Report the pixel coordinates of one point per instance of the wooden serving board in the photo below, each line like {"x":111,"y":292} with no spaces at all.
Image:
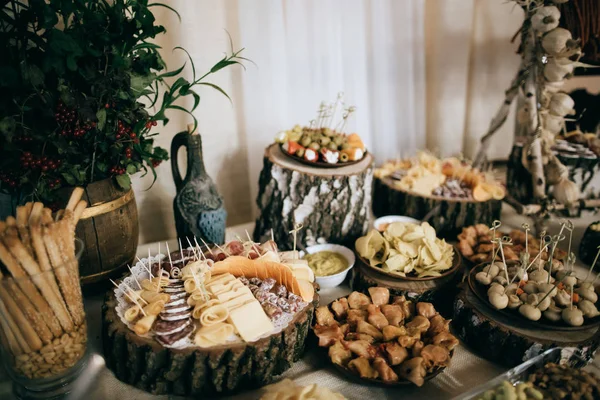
{"x":320,"y":164}
{"x":333,"y":205}
{"x":198,"y":372}
{"x":449,"y":216}
{"x":508,"y":341}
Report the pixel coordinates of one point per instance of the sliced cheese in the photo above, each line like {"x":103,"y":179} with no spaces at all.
{"x":225,"y":287}
{"x":250,"y":321}
{"x":220,"y":279}
{"x":239,"y":301}
{"x":292,"y":263}
{"x":286,"y":256}
{"x":233,"y":293}
{"x":307,"y":290}
{"x":303,"y":272}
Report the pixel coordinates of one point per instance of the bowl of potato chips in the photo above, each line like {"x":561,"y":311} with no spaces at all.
{"x":409,"y":251}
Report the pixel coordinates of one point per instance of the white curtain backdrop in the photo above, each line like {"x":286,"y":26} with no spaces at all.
{"x":421,"y":73}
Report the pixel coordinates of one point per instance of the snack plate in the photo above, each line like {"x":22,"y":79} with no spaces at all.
{"x":348,"y":373}
{"x":481,"y":292}
{"x":456,"y":263}
{"x":321,"y":164}
{"x":522,"y":371}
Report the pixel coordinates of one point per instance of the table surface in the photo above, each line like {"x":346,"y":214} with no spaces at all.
{"x":467,"y":370}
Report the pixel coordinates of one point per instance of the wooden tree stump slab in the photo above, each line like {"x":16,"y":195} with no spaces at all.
{"x":507,"y":341}
{"x":582,"y":171}
{"x":439,"y":291}
{"x":332,"y":204}
{"x":147,"y":365}
{"x":448,"y":216}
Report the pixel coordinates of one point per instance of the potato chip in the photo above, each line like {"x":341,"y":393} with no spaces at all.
{"x":397,"y":263}
{"x":433,"y":248}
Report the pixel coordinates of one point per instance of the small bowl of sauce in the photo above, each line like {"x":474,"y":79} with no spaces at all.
{"x":330,"y":263}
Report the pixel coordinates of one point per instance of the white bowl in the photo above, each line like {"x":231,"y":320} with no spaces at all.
{"x":335,"y":279}
{"x":388,"y":219}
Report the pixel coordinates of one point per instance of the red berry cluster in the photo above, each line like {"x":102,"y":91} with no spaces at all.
{"x":124,"y":131}
{"x":63,"y":114}
{"x":66,"y":117}
{"x":117,"y":170}
{"x":9,"y":178}
{"x":43,"y":163}
{"x":128,"y":152}
{"x":52,"y":183}
{"x":150,"y":124}
{"x":23,"y":139}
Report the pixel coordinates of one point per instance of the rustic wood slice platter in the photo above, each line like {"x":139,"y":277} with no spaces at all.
{"x":456,"y":263}
{"x":333,"y":205}
{"x":145,"y":364}
{"x":481,"y":292}
{"x":320,"y":164}
{"x":449,"y":216}
{"x":509,"y":342}
{"x":439,"y":291}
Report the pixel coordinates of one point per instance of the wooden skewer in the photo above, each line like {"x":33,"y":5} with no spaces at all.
{"x":147,"y":268}
{"x":133,"y":292}
{"x":133,"y":276}
{"x":193,"y":249}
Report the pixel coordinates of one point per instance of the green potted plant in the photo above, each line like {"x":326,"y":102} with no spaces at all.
{"x":82,"y":86}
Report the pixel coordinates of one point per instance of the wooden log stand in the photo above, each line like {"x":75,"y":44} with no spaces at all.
{"x":447,"y":216}
{"x":147,"y":365}
{"x":332,"y":204}
{"x":506,"y":341}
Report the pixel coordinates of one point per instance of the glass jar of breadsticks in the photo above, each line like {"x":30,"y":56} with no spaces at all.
{"x":43,"y":331}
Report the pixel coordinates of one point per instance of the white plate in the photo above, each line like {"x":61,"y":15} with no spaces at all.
{"x":336,"y":279}
{"x":388,"y":219}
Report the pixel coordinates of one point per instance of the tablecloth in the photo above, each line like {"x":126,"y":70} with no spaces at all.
{"x":466,"y":371}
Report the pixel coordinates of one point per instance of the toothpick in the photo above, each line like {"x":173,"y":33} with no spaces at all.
{"x":570,"y":228}
{"x":495,"y":225}
{"x":206,"y":245}
{"x":133,"y":276}
{"x":133,"y":291}
{"x":338,"y":100}
{"x":556,"y":283}
{"x":593,"y":264}
{"x":132,"y":298}
{"x":555,"y":240}
{"x":180,"y":248}
{"x":222,"y":249}
{"x":169,"y":253}
{"x":252,"y":241}
{"x":501,"y":244}
{"x":572,"y":296}
{"x":192,"y":247}
{"x":294,"y":232}
{"x":200,"y":249}
{"x":147,"y":267}
{"x":159,"y":249}
{"x":272,"y":235}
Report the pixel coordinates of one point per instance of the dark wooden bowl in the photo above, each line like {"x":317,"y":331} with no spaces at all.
{"x":321,"y":164}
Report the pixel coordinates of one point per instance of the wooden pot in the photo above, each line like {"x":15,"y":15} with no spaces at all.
{"x":108,"y":229}
{"x":447,"y":216}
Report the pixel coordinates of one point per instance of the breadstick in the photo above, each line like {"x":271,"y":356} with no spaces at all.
{"x":74,"y":199}
{"x":11,"y":221}
{"x":52,"y":301}
{"x":36,"y":320}
{"x":9,"y":325}
{"x":47,"y":216}
{"x":59,"y":215}
{"x":81,"y":206}
{"x":8,"y":339}
{"x":40,"y":250}
{"x":31,"y":338}
{"x":22,"y":218}
{"x":64,"y":232}
{"x":62,"y":273}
